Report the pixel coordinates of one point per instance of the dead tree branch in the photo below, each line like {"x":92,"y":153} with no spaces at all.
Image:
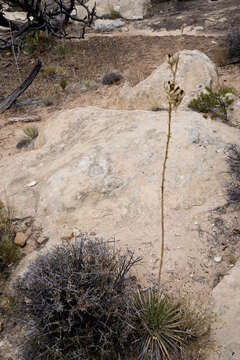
{"x":9,"y":100}
{"x":51,"y":16}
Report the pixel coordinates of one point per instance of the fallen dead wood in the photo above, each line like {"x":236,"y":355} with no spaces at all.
{"x":24,"y":119}
{"x":9,"y":100}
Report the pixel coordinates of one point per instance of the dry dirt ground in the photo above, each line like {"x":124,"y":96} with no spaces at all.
{"x":134,"y":52}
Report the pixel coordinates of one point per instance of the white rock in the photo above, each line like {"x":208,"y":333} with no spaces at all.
{"x":108,"y":25}
{"x":128,"y":9}
{"x":234,"y":113}
{"x":31,"y":184}
{"x":218,"y":259}
{"x":150,"y":92}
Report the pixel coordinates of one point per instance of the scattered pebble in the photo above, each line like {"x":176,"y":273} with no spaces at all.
{"x":32,"y":183}
{"x":42,"y":240}
{"x":20,"y":239}
{"x":68,"y":236}
{"x":218,"y":259}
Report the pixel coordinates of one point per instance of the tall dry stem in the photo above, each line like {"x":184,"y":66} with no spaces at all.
{"x":174,"y":96}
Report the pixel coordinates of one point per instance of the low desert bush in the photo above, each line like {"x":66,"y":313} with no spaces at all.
{"x":214,"y":103}
{"x":227,"y":50}
{"x":165,"y":329}
{"x":233,"y":43}
{"x":9,"y":252}
{"x":76,"y":302}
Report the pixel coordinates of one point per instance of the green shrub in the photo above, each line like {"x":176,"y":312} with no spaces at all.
{"x":63,"y":83}
{"x":31,"y":132}
{"x":164,"y":329}
{"x":61,"y":49}
{"x":9,"y":252}
{"x":31,"y":40}
{"x":51,"y":71}
{"x":214,"y":103}
{"x":76,"y":300}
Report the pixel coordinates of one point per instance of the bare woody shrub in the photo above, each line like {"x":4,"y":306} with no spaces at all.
{"x":75,"y":301}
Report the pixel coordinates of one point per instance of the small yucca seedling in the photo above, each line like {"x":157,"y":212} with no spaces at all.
{"x":63,"y":83}
{"x":31,"y":132}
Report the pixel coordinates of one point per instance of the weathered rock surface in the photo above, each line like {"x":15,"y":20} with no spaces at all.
{"x":128,"y":9}
{"x":234,"y":114}
{"x":226,"y":330}
{"x":195,"y":72}
{"x":100,"y":170}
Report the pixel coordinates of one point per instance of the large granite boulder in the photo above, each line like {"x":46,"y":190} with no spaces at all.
{"x":131,"y":9}
{"x":195,"y":72}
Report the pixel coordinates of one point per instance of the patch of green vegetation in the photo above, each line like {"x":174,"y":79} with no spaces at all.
{"x":214,"y":103}
{"x":50,"y":70}
{"x":63,"y":83}
{"x":31,"y":41}
{"x":9,"y":252}
{"x":61,"y":50}
{"x":31,"y":132}
{"x":114,"y":14}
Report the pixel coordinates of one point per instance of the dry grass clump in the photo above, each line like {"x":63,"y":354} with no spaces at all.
{"x":76,"y":300}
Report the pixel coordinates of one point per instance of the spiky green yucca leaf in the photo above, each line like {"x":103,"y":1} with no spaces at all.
{"x":159,"y":327}
{"x":31,"y":131}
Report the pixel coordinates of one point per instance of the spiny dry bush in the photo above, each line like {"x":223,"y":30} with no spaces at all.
{"x":76,"y":302}
{"x":165,"y":329}
{"x":233,"y":190}
{"x":9,"y":252}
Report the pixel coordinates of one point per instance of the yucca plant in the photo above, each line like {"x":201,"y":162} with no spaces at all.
{"x":159,"y":326}
{"x":31,"y":132}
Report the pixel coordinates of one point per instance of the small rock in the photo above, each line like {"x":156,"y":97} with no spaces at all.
{"x":68,"y":236}
{"x":92,"y":233}
{"x":218,"y":259}
{"x":32,"y":183}
{"x":24,"y":142}
{"x":111,"y":78}
{"x":42,"y":240}
{"x":108,"y":25}
{"x":20,"y":239}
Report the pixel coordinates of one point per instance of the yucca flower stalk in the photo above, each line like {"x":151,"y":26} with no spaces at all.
{"x":174,"y":96}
